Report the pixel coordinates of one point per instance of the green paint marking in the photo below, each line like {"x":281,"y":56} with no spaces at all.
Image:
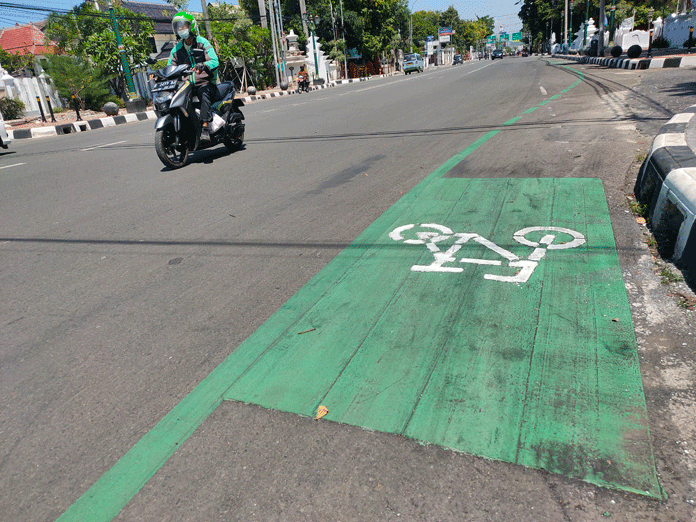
{"x":512,"y":120}
{"x":537,"y":373}
{"x":360,"y":332}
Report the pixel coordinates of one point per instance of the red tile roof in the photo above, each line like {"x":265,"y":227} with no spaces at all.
{"x":24,"y":39}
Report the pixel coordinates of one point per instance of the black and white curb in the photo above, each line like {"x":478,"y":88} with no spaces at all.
{"x":79,"y":126}
{"x":265,"y":96}
{"x":667,"y":184}
{"x":663,"y":62}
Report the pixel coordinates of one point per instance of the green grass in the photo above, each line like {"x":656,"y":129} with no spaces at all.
{"x":668,"y":276}
{"x":639,"y":209}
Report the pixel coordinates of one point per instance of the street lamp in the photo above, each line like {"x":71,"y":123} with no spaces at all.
{"x":314,"y":20}
{"x":122,"y":53}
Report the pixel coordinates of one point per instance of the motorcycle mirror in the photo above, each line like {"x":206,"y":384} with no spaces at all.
{"x":150,"y":61}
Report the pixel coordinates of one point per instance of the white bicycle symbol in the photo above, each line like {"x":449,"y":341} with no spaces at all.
{"x":439,"y":233}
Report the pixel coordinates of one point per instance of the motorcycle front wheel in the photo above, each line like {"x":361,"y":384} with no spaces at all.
{"x":170,"y":152}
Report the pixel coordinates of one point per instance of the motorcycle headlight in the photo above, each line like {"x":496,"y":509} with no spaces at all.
{"x":161,"y":100}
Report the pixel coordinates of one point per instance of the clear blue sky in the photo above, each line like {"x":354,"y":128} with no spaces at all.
{"x":504,"y":11}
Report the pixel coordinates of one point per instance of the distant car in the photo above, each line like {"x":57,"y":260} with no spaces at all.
{"x":498,"y":53}
{"x":457,"y":59}
{"x":5,"y":140}
{"x":413,"y":62}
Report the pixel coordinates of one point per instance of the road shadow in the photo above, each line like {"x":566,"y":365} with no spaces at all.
{"x":682,"y":89}
{"x":208,"y":156}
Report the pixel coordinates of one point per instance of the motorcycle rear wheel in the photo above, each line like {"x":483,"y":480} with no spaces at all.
{"x":233,"y":143}
{"x":172,"y":154}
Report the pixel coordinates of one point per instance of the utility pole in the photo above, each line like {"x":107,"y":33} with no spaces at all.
{"x":204,"y":8}
{"x":273,"y":41}
{"x":587,"y":18}
{"x":281,"y":33}
{"x":262,"y":13}
{"x":345,"y":50}
{"x":565,"y":25}
{"x":602,"y":16}
{"x":303,"y":9}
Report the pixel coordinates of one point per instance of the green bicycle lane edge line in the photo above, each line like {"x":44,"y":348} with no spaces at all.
{"x":117,"y":486}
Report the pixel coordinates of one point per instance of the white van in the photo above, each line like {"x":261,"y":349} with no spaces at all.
{"x":413,"y":62}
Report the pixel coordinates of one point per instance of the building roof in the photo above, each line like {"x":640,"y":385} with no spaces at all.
{"x":161,"y":14}
{"x":24,"y":39}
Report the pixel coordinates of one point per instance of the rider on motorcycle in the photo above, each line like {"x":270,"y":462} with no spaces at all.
{"x":302,"y":79}
{"x":205,"y":75}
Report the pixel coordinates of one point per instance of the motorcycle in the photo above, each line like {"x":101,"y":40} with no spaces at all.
{"x":178,"y":125}
{"x":302,"y":85}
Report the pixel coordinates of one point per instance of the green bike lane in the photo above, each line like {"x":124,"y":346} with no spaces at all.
{"x":488,"y":316}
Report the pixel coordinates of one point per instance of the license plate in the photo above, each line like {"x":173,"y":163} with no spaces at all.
{"x":163,"y":86}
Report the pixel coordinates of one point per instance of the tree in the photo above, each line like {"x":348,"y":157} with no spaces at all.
{"x":475,"y":30}
{"x":76,"y":76}
{"x":179,"y":4}
{"x":87,"y":33}
{"x":425,"y":23}
{"x":238,"y":37}
{"x":14,"y":62}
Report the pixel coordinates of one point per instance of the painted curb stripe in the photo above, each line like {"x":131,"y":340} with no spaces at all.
{"x":114,"y":489}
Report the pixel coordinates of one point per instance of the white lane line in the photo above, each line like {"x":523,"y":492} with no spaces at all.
{"x":543,"y":91}
{"x":15,"y":165}
{"x":105,"y":145}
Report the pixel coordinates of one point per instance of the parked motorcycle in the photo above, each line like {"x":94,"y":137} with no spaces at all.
{"x":178,"y":125}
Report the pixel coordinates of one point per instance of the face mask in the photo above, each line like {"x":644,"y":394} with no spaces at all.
{"x":184,"y":34}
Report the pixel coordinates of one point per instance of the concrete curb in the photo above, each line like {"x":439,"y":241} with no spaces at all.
{"x":249,"y":99}
{"x":666,"y":183}
{"x":79,"y":126}
{"x":662,"y":62}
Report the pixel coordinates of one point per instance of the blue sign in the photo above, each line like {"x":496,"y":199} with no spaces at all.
{"x":429,"y":38}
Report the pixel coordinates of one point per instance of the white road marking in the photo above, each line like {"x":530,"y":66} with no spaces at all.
{"x":439,"y":233}
{"x":14,"y":165}
{"x":105,"y":145}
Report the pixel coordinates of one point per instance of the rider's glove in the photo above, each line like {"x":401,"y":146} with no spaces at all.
{"x":200,"y":67}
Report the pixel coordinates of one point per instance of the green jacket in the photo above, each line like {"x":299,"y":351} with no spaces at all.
{"x":180,"y":55}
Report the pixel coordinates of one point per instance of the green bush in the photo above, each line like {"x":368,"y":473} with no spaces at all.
{"x":77,"y":76}
{"x":660,"y":43}
{"x":117,"y":100}
{"x":11,"y":109}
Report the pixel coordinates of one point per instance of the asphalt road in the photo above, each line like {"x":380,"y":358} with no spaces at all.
{"x":124,"y":285}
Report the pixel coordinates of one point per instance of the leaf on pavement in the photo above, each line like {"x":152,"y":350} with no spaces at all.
{"x":323,"y":410}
